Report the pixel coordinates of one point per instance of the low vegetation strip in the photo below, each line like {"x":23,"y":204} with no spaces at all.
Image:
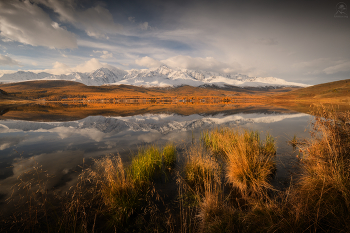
{"x":222,"y":185}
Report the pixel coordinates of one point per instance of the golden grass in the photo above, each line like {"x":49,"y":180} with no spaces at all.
{"x":249,"y":161}
{"x":116,"y":187}
{"x":201,"y":170}
{"x":324,"y":186}
{"x":222,"y":187}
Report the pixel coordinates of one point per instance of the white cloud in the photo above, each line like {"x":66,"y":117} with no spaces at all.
{"x":88,"y":66}
{"x":192,"y":63}
{"x":2,"y":72}
{"x":344,"y":66}
{"x":148,"y":62}
{"x":144,"y":26}
{"x":199,"y":63}
{"x":105,"y":54}
{"x":187,"y":62}
{"x":29,"y":24}
{"x":324,"y":66}
{"x":95,"y":21}
{"x":7,"y":61}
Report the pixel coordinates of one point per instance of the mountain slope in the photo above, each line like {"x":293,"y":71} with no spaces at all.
{"x":331,"y":90}
{"x":162,"y":76}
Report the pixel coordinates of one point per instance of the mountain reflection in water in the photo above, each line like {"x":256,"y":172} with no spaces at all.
{"x":60,"y":147}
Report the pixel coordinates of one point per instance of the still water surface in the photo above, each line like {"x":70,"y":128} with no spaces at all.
{"x":61,"y":147}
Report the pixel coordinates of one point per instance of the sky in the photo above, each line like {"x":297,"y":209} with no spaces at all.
{"x":299,"y":41}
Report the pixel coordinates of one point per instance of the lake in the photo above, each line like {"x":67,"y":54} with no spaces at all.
{"x":61,"y":147}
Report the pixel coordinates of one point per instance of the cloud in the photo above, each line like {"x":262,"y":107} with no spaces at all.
{"x":192,"y":63}
{"x":2,"y":72}
{"x":148,"y":62}
{"x":7,"y":61}
{"x":324,"y":66}
{"x":105,"y":54}
{"x":199,"y":63}
{"x":344,"y":66}
{"x":131,"y":19}
{"x":144,"y":26}
{"x":29,"y":24}
{"x":88,"y":66}
{"x":95,"y":21}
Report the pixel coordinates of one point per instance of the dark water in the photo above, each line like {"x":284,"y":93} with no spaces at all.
{"x":59,"y":148}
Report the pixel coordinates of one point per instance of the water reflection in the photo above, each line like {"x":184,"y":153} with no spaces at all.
{"x":60,"y":147}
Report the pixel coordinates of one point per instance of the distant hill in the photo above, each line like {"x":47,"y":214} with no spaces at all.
{"x":333,"y":94}
{"x":332,"y":90}
{"x":59,"y":90}
{"x":162,"y":76}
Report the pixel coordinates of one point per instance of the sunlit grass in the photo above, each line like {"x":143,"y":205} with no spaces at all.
{"x":169,"y":156}
{"x":146,"y":164}
{"x":201,"y":168}
{"x":324,"y":187}
{"x":249,"y":161}
{"x":223,"y":185}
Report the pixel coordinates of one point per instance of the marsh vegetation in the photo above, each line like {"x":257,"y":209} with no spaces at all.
{"x":220,"y":183}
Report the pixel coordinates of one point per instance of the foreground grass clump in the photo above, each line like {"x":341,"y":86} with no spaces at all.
{"x":201,"y":169}
{"x":320,"y":199}
{"x":146,"y":164}
{"x":249,"y":161}
{"x":169,"y":156}
{"x":150,"y":163}
{"x":126,"y":190}
{"x":117,"y":188}
{"x":324,"y":188}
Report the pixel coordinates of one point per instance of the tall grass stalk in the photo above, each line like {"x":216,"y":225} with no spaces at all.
{"x":324,"y":187}
{"x":201,"y":170}
{"x":250,"y":161}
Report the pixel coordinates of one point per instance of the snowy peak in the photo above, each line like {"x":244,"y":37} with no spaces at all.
{"x":162,"y":76}
{"x":104,"y":76}
{"x":23,"y":76}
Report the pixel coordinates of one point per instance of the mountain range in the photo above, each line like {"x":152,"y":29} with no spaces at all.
{"x":162,"y":76}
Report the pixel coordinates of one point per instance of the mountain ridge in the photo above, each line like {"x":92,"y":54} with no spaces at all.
{"x":162,"y":76}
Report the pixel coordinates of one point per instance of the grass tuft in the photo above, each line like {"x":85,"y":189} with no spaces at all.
{"x":201,"y":168}
{"x":250,"y":162}
{"x":169,"y":156}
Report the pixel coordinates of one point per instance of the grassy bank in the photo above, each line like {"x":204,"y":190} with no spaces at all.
{"x":219,"y":184}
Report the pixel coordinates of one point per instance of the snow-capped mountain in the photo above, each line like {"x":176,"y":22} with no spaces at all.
{"x":162,"y":76}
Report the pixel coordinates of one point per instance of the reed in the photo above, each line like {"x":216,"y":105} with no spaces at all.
{"x":117,"y":188}
{"x":324,"y":187}
{"x":169,"y":156}
{"x":146,"y":164}
{"x":223,"y":186}
{"x":249,"y":161}
{"x":201,"y":169}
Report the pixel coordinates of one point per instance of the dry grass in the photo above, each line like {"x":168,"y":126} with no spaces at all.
{"x":249,"y":161}
{"x":324,"y":186}
{"x":201,"y":168}
{"x":116,"y":187}
{"x":200,"y":189}
{"x":222,"y":187}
